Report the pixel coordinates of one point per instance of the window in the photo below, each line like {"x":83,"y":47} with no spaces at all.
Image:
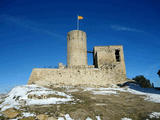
{"x":117,"y":55}
{"x":68,"y":37}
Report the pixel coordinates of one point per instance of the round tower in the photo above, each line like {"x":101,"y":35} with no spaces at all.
{"x":76,"y":48}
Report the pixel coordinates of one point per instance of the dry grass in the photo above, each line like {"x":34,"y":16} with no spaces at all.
{"x":108,"y":107}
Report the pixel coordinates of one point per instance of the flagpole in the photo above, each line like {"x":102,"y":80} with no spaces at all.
{"x":77,"y":23}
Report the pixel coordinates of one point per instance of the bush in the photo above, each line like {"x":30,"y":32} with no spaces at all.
{"x":158,"y":73}
{"x":142,"y":81}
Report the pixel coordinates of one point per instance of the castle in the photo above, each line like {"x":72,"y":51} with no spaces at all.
{"x":108,"y":65}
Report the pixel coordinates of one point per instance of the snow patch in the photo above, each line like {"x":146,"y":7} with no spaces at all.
{"x":126,"y":118}
{"x":98,"y":118}
{"x":88,"y":118}
{"x":18,"y":96}
{"x":104,"y":92}
{"x":68,"y":117}
{"x":27,"y":114}
{"x":60,"y":118}
{"x":150,"y":94}
{"x":154,"y":115}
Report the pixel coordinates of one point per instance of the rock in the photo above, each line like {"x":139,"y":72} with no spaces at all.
{"x":42,"y":117}
{"x":45,"y":117}
{"x":11,"y":113}
{"x":61,"y":114}
{"x":81,"y":114}
{"x":28,"y":118}
{"x":52,"y":118}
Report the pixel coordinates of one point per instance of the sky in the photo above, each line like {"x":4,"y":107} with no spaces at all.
{"x":33,"y":34}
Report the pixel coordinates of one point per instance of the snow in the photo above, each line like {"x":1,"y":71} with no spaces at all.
{"x":98,"y":118}
{"x":88,"y":118}
{"x":154,"y":115}
{"x":60,"y":118}
{"x":47,"y":101}
{"x":150,"y":94}
{"x":27,"y":114}
{"x":105,"y":89}
{"x":18,"y":96}
{"x":68,"y":117}
{"x":126,"y":118}
{"x":104,"y":92}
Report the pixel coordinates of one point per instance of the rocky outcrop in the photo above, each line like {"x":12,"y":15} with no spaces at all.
{"x":11,"y":113}
{"x":45,"y":117}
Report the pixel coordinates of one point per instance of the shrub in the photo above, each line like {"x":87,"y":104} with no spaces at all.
{"x":158,"y":73}
{"x":142,"y":81}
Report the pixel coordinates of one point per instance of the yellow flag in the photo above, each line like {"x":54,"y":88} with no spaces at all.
{"x":80,"y":17}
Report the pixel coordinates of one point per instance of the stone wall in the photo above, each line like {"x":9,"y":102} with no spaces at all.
{"x":81,"y":76}
{"x":104,"y":56}
{"x":108,"y":67}
{"x":106,"y":70}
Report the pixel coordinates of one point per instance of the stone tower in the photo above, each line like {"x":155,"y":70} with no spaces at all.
{"x":76,"y":48}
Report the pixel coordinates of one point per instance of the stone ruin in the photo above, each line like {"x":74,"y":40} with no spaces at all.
{"x":108,"y":65}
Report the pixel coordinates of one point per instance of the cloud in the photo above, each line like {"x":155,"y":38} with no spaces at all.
{"x":123,"y":28}
{"x":28,"y":25}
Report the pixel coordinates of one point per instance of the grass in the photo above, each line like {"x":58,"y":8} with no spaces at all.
{"x":28,"y":118}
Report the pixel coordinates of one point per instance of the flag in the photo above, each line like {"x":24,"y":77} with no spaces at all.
{"x":80,"y":17}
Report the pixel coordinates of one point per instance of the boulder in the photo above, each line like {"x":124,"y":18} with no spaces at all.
{"x":11,"y":113}
{"x":52,"y":118}
{"x":42,"y":117}
{"x":28,"y":118}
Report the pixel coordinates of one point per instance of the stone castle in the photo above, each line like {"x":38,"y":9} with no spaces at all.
{"x":108,"y":65}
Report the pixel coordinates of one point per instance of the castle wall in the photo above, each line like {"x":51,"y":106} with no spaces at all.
{"x":108,"y":68}
{"x":82,"y":76}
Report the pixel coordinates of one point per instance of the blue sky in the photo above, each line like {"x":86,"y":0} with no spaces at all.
{"x":33,"y":34}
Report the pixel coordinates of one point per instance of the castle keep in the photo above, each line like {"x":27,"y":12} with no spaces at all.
{"x":108,"y":65}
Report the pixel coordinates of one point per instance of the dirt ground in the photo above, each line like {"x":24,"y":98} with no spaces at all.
{"x":108,"y":107}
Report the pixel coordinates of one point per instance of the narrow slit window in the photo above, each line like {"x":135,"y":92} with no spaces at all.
{"x":117,"y":55}
{"x":68,"y":37}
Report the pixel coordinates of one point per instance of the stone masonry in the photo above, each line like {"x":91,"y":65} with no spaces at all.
{"x":108,"y":65}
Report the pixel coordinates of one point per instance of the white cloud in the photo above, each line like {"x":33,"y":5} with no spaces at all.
{"x":123,"y":28}
{"x":28,"y":24}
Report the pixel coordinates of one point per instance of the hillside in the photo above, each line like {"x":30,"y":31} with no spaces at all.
{"x":31,"y":102}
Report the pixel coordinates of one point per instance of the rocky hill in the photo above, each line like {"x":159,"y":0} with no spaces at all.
{"x":32,"y":102}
